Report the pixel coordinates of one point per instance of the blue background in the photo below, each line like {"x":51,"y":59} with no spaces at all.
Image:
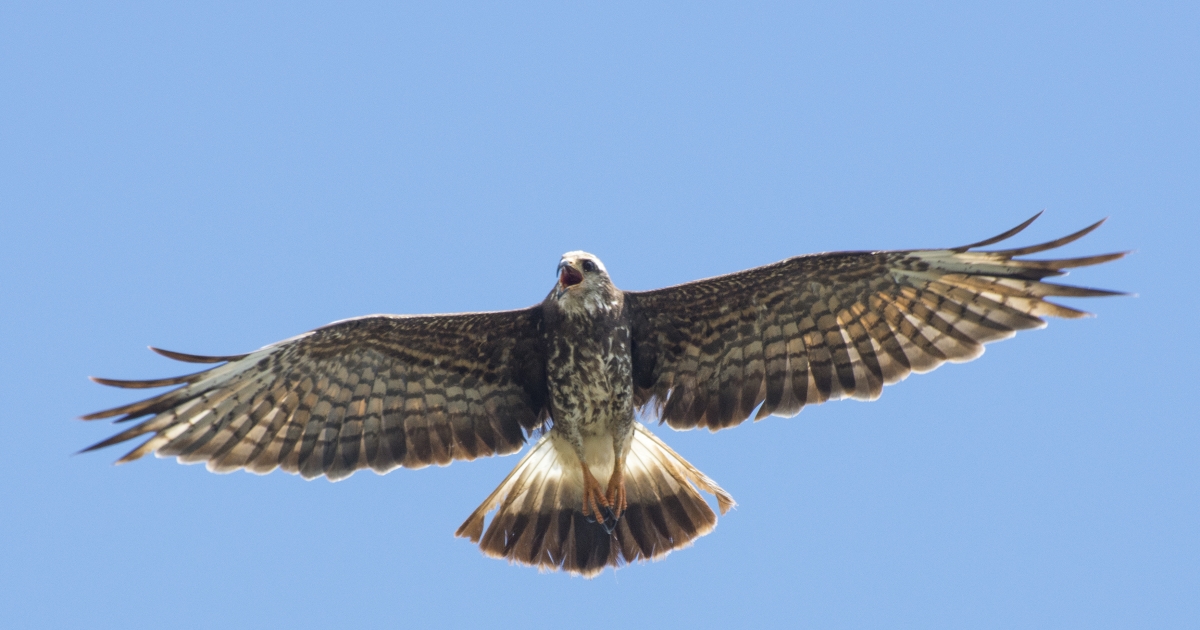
{"x":212,"y":177}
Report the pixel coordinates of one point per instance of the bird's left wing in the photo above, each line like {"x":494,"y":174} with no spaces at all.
{"x":826,"y":326}
{"x":378,"y":392}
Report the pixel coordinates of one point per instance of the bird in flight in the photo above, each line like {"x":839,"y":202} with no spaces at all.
{"x":597,"y":489}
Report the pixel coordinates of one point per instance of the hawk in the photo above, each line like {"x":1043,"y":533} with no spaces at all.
{"x":597,"y":489}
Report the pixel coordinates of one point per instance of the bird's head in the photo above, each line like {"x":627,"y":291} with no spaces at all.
{"x":582,"y":282}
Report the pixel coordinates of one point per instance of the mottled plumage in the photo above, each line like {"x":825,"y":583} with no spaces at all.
{"x":377,"y":392}
{"x":597,"y":489}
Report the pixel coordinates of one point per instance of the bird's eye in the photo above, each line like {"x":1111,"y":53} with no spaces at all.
{"x":589,"y":265}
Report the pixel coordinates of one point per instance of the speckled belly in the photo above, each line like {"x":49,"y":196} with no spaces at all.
{"x":591,"y":387}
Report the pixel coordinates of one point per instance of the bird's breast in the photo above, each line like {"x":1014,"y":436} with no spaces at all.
{"x":590,"y":379}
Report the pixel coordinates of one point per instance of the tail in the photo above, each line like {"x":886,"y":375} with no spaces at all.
{"x":539,"y":522}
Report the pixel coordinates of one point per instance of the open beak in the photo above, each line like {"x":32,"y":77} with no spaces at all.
{"x":568,"y":277}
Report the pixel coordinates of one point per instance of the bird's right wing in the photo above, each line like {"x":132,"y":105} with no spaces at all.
{"x":826,"y":326}
{"x":378,"y":392}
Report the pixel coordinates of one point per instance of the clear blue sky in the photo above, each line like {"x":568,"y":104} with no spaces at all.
{"x":211,"y":177}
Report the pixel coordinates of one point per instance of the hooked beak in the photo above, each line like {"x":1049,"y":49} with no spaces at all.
{"x":568,"y":277}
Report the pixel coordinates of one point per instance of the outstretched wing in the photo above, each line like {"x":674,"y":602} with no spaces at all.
{"x":379,"y":392}
{"x":829,"y":326}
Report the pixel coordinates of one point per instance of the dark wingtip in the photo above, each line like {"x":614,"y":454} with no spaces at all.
{"x":1000,"y":237}
{"x":99,"y":415}
{"x":194,"y":358}
{"x":149,"y":383}
{"x":98,"y":445}
{"x":1058,"y":242}
{"x":1086,"y":261}
{"x":1065,"y":290}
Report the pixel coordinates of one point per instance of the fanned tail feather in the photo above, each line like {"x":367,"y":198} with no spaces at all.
{"x":539,"y":522}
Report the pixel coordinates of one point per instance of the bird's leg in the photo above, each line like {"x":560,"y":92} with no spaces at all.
{"x":616,"y":489}
{"x":595,"y":506}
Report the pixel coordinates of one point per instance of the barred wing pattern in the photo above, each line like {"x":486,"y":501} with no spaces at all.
{"x":379,"y":392}
{"x":827,"y":326}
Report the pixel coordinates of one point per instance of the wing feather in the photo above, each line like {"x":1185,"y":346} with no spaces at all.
{"x":830,"y":326}
{"x":375,"y":392}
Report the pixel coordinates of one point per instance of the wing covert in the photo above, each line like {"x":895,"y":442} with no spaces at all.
{"x":379,"y":392}
{"x":773,"y":339}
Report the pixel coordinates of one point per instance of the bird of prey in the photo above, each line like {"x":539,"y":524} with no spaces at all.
{"x":597,"y":489}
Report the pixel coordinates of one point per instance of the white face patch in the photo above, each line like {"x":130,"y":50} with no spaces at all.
{"x":577,"y":257}
{"x":591,"y":295}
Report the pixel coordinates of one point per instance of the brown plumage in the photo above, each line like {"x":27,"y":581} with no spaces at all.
{"x":597,"y":489}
